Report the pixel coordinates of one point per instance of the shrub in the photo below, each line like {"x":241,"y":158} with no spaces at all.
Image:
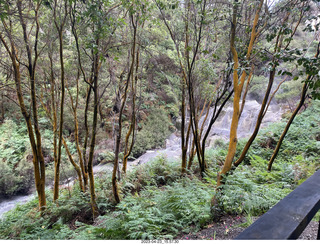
{"x":153,"y":133}
{"x":13,"y":142}
{"x":9,"y":183}
{"x":16,"y":172}
{"x":159,"y":213}
{"x":242,"y":194}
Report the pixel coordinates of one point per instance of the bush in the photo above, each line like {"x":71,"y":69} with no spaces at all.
{"x":253,"y":190}
{"x":9,"y":184}
{"x":13,"y":142}
{"x":158,"y":172}
{"x":16,"y":172}
{"x":159,"y":213}
{"x":57,"y":222}
{"x":153,"y":133}
{"x":154,"y":213}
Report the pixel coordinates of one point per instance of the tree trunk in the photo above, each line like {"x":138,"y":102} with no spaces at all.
{"x":38,"y":165}
{"x":57,"y":165}
{"x":238,"y":85}
{"x":259,"y":119}
{"x":265,"y":105}
{"x":76,"y":167}
{"x":184,"y":139}
{"x":85,"y":144}
{"x":295,"y":112}
{"x":132,"y":128}
{"x":76,"y":135}
{"x":93,"y":141}
{"x":36,"y":145}
{"x":123,"y":103}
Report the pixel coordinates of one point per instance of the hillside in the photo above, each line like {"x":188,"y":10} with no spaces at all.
{"x":154,"y":119}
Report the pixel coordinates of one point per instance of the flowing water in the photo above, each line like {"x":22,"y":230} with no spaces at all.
{"x":172,"y":151}
{"x":10,"y":203}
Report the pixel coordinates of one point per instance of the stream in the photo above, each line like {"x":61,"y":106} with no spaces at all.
{"x":172,"y":151}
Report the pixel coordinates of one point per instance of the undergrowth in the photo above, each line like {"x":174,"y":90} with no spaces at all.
{"x":157,"y":203}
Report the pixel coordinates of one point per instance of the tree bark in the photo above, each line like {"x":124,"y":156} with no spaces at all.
{"x":38,"y":155}
{"x":93,"y":138}
{"x":295,"y":112}
{"x":33,"y":130}
{"x":123,"y":103}
{"x":286,"y":129}
{"x":58,"y":162}
{"x":238,"y":85}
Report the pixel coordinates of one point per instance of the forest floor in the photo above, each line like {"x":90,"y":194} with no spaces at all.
{"x":228,"y":228}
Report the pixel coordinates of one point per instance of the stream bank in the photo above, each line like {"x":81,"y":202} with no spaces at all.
{"x":172,"y":150}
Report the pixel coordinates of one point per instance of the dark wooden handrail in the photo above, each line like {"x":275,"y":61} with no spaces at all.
{"x":289,"y":217}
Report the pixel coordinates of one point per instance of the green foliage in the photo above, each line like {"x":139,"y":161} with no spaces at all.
{"x":16,"y":172}
{"x":253,"y":192}
{"x":26,"y":223}
{"x":13,"y":143}
{"x":157,"y":172}
{"x":160,"y":213}
{"x":154,"y":213}
{"x":158,"y":204}
{"x":16,"y":167}
{"x":251,"y":188}
{"x":302,"y":135}
{"x":153,"y":133}
{"x":17,"y":180}
{"x":290,"y":92}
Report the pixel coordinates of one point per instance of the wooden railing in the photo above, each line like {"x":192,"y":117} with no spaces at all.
{"x":288,"y":218}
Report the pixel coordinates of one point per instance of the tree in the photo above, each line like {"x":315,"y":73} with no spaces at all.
{"x":238,"y":82}
{"x":196,"y":20}
{"x":137,"y":15}
{"x":88,"y":18}
{"x":281,"y":44}
{"x":26,"y":55}
{"x":312,"y":73}
{"x":60,"y":28}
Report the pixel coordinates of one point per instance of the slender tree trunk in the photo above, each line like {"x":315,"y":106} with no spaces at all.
{"x":184,"y":139}
{"x":54,"y":112}
{"x":93,"y":137}
{"x":115,"y":189}
{"x":35,"y":142}
{"x":123,"y":103}
{"x":76,"y":167}
{"x":85,"y":145}
{"x":128,"y":149}
{"x":38,"y":170}
{"x":295,"y":112}
{"x":246,"y":91}
{"x":238,"y":85}
{"x":76,"y":135}
{"x":57,"y":165}
{"x":259,"y":119}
